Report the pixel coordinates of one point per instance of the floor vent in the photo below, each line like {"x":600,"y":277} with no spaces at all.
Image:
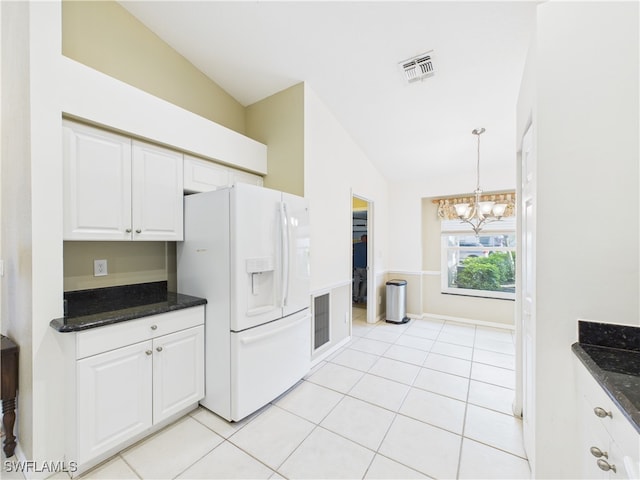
{"x":321,"y":317}
{"x":419,"y":67}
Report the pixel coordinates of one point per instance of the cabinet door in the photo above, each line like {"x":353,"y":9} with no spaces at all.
{"x":114,"y":398}
{"x":178,"y":371}
{"x":156,"y":193}
{"x":238,"y":176}
{"x":203,"y":176}
{"x":97,"y":184}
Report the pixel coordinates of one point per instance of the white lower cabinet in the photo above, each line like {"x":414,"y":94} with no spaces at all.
{"x":126,"y":386}
{"x":114,"y":398}
{"x":609,"y":446}
{"x":178,"y":371}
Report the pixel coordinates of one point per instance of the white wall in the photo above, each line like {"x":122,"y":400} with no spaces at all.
{"x":406,"y":240}
{"x":32,"y":218}
{"x":584,"y":100}
{"x":405,"y":201}
{"x":37,"y":89}
{"x":93,"y":96}
{"x":336,"y":168}
{"x":16,"y":201}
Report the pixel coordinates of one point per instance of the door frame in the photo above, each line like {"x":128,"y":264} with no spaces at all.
{"x":525,"y":321}
{"x":371,"y":277}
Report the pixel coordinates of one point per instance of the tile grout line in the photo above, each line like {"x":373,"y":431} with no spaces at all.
{"x":277,"y":469}
{"x":396,"y":413}
{"x":130,"y":466}
{"x":226,"y":439}
{"x":347,"y":394}
{"x":395,"y":416}
{"x":466,"y":409}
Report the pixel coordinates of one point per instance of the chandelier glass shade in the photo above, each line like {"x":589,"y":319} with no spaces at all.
{"x":478,"y":214}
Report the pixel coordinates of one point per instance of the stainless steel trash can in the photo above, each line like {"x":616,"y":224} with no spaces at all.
{"x":397,"y":301}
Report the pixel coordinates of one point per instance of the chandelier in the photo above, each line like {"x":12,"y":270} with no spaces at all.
{"x":479,"y":213}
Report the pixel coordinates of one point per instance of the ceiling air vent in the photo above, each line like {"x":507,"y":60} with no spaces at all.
{"x":418,"y":67}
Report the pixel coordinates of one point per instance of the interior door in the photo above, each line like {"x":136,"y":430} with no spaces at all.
{"x":255,"y":252}
{"x":528,"y":291}
{"x":297,"y":279}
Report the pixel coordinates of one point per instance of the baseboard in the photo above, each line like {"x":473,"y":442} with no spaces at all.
{"x":328,"y":352}
{"x":470,"y":321}
{"x":31,"y":469}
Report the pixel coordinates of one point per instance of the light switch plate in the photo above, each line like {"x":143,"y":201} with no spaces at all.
{"x":99,"y":268}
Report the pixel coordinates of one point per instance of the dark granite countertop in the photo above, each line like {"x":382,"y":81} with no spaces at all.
{"x":105,"y":306}
{"x":611,"y":353}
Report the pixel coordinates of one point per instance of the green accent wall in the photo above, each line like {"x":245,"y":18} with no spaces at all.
{"x":278,"y":121}
{"x":105,"y":36}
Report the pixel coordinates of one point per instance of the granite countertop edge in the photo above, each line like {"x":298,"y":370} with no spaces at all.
{"x":619,"y":398}
{"x":86,"y":322}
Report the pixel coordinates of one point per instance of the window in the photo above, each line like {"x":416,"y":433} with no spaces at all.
{"x":481,"y":266}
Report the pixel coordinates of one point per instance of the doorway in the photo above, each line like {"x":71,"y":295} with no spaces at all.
{"x":362,"y":281}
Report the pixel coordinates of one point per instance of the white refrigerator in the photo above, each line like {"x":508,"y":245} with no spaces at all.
{"x":246,"y":250}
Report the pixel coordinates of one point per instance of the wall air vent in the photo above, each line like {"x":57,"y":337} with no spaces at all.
{"x":418,"y":67}
{"x":321,"y":321}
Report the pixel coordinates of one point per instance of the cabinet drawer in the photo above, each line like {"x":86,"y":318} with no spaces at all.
{"x":103,"y":339}
{"x":596,"y":398}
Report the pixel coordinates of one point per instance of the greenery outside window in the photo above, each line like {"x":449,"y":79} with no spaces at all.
{"x":481,"y":266}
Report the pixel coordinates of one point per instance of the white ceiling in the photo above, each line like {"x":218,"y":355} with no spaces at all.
{"x":348,"y":53}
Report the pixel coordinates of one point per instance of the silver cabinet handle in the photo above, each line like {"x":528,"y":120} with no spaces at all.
{"x":596,"y":452}
{"x":159,"y":349}
{"x":148,"y":352}
{"x":604,"y":465}
{"x":601,"y":412}
{"x":154,"y":327}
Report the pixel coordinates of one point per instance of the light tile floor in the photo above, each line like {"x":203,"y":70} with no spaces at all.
{"x":420,"y":400}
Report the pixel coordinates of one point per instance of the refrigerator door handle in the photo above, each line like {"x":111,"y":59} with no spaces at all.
{"x":286,"y":256}
{"x":274,"y":332}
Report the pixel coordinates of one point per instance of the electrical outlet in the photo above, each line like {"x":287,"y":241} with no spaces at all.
{"x":99,"y":268}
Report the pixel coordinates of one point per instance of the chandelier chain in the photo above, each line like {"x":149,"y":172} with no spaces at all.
{"x":480,"y":213}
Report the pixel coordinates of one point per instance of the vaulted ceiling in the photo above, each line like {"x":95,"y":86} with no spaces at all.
{"x":349,"y":54}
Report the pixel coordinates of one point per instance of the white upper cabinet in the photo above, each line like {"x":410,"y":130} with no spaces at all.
{"x":116,"y":188}
{"x":238,"y":176}
{"x":203,"y":176}
{"x":97,"y":184}
{"x":156,"y":193}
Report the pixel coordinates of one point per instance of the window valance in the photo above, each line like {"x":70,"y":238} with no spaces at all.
{"x":447,"y":211}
